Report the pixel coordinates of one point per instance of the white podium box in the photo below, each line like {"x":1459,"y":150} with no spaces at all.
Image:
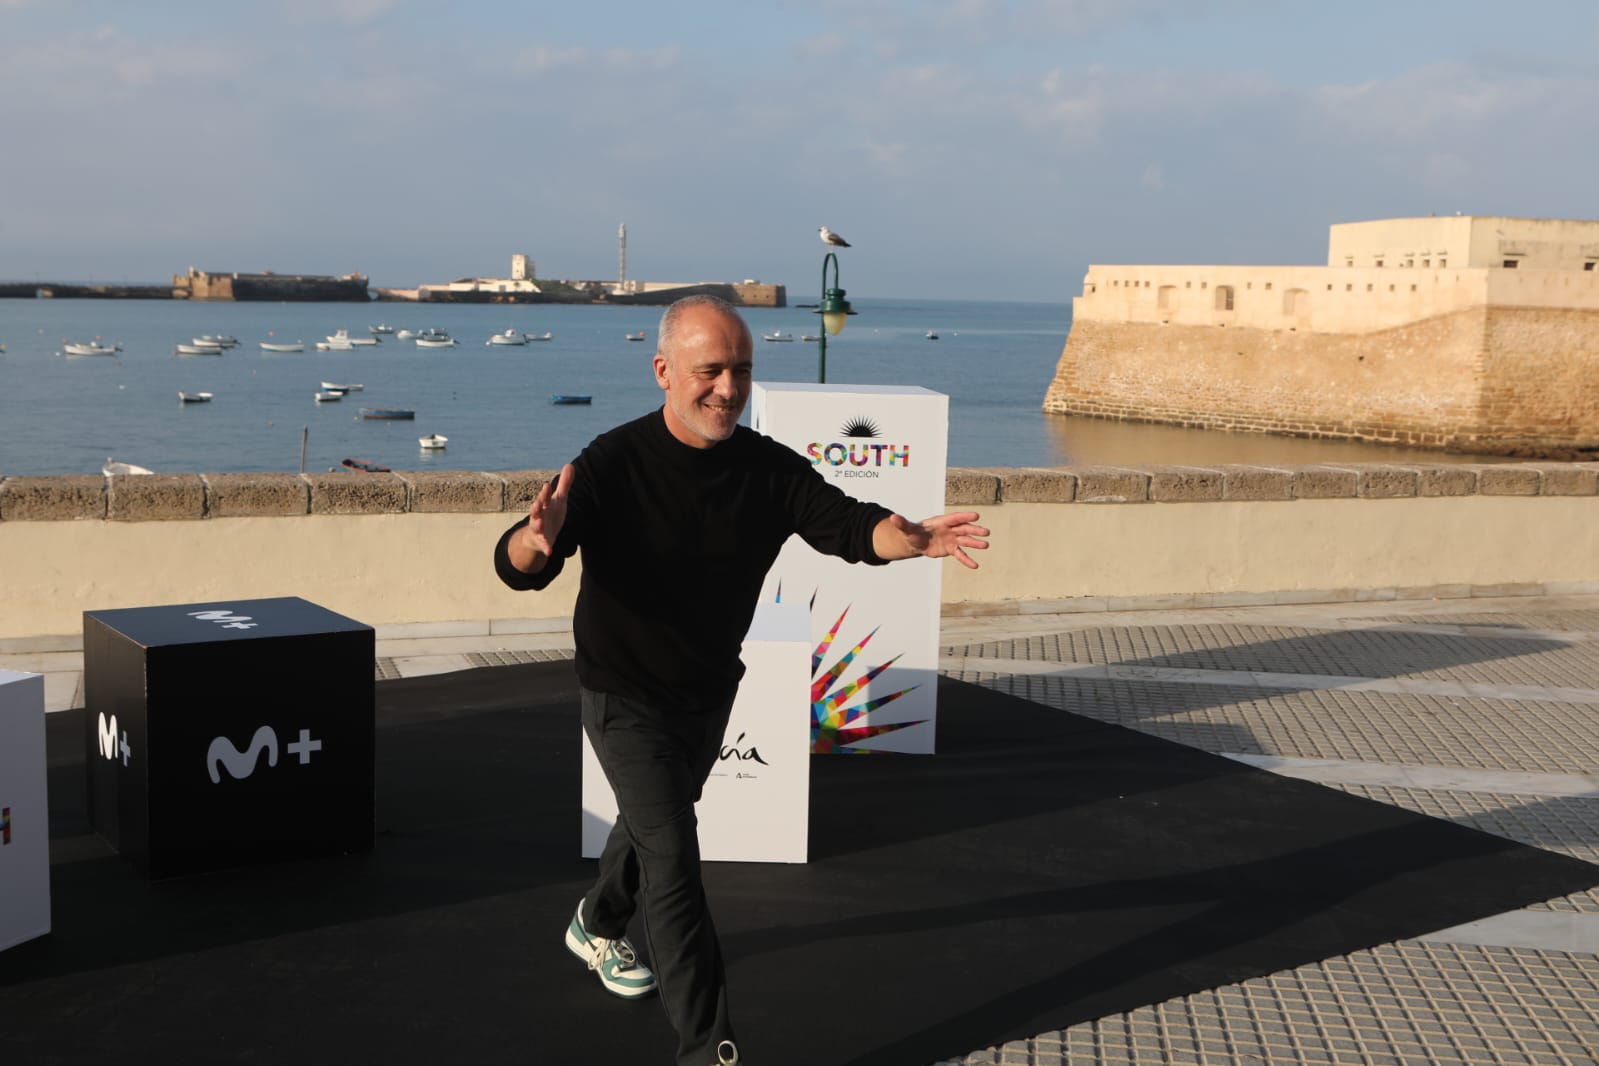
{"x":874,"y":628}
{"x":24,"y":811}
{"x":756,"y":804}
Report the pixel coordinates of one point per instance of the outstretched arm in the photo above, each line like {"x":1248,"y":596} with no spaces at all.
{"x":533,"y":545}
{"x":897,"y":537}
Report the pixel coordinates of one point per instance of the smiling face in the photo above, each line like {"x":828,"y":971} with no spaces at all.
{"x":705,"y":374}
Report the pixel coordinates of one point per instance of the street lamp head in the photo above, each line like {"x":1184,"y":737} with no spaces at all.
{"x":833,"y":310}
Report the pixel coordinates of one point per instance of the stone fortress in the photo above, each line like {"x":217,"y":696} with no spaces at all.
{"x":1469,"y":333}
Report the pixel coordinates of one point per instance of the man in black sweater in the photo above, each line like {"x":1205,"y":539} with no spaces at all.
{"x":679,"y":514}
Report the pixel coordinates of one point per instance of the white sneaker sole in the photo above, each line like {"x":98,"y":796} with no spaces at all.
{"x":578,"y":948}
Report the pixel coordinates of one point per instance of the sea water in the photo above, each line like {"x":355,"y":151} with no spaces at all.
{"x":66,"y":414}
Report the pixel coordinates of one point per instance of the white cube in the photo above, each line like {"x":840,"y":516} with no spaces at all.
{"x":24,"y":810}
{"x":756,"y":804}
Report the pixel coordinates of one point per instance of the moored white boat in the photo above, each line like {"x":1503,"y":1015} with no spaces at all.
{"x":403,"y":335}
{"x":433,"y":441}
{"x":342,"y":388}
{"x":283,"y":346}
{"x":435,"y":338}
{"x":777,"y":335}
{"x":510,"y":336}
{"x":380,"y":329}
{"x":221,"y":340}
{"x":340,"y":339}
{"x":91,"y":348}
{"x":329,"y":395}
{"x":112,"y":468}
{"x":335,"y":346}
{"x":197,"y":349}
{"x":546,"y":335}
{"x":194,"y":397}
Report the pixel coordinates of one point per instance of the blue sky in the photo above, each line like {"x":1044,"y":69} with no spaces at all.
{"x":968,"y":148}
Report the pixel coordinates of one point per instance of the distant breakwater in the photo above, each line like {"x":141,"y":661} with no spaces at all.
{"x":64,"y":290}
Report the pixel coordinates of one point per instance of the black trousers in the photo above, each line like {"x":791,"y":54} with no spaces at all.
{"x":656,"y":762}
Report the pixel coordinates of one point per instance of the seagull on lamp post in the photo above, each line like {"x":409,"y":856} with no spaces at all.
{"x":829,"y":237}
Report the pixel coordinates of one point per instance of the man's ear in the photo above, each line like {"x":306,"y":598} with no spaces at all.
{"x":660,"y":370}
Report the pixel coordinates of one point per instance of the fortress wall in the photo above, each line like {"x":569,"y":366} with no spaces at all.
{"x":1318,"y":299}
{"x":1415,"y":384}
{"x":414,"y":550}
{"x":755,"y":294}
{"x":1305,"y":298}
{"x":1540,"y":376}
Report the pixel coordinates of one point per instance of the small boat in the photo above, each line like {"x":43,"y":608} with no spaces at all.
{"x":365,"y":466}
{"x":433,"y":441}
{"x":810,"y":337}
{"x":435,"y":338}
{"x":510,"y":336}
{"x":340,"y":339}
{"x":221,"y":340}
{"x":778,"y":335}
{"x":275,"y":346}
{"x":932,"y":335}
{"x":569,"y":401}
{"x":91,"y":348}
{"x":112,"y":468}
{"x":335,"y":346}
{"x":403,"y":335}
{"x":381,"y":329}
{"x":194,"y":397}
{"x":336,"y":387}
{"x":636,"y":336}
{"x":546,"y":335}
{"x":197,"y":349}
{"x":328,"y":396}
{"x":405,"y":414}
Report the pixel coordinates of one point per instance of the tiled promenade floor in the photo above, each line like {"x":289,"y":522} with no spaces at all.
{"x":1483,"y":712}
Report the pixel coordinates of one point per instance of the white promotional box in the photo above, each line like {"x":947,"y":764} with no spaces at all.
{"x":874,"y":628}
{"x":24,"y":812}
{"x":756,"y":804}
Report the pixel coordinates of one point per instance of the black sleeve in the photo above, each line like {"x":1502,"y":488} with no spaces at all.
{"x":827,"y":518}
{"x":515,"y":578}
{"x":579,"y":505}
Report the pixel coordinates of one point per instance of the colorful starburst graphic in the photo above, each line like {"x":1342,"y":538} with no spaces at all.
{"x":836,"y":723}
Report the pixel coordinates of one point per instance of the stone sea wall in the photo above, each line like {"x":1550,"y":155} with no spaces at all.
{"x":413,"y":549}
{"x":1508,"y":380}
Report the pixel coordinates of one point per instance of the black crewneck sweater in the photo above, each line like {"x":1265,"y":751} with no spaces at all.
{"x":676,"y":543}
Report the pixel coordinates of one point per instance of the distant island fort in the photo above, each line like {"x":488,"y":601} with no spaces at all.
{"x":1469,"y":333}
{"x":523,"y":286}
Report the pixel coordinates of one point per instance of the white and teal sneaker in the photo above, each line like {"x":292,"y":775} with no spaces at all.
{"x":614,"y":960}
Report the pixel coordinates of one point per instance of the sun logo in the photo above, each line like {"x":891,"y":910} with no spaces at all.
{"x":835,"y":721}
{"x":860,"y":427}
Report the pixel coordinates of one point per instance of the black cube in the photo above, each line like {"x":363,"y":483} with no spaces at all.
{"x":231,"y":733}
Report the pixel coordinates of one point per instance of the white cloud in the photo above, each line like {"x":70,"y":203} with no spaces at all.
{"x":822,"y":46}
{"x":344,"y":12}
{"x":1441,"y":98}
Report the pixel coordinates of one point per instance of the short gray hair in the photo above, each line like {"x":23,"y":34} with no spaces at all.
{"x":674,"y":311}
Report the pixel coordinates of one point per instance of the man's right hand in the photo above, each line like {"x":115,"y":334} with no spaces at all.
{"x":534,"y":545}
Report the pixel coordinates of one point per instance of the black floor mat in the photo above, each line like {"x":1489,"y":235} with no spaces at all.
{"x":1041,"y":870}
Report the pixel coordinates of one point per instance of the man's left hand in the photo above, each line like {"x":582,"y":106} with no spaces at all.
{"x":950,"y":535}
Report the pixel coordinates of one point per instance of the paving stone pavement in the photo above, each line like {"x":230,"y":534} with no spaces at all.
{"x":1495,"y":701}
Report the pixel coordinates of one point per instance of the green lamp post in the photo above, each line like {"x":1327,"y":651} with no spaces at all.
{"x":833,"y":310}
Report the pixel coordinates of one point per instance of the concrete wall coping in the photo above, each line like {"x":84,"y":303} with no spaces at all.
{"x":187,"y":497}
